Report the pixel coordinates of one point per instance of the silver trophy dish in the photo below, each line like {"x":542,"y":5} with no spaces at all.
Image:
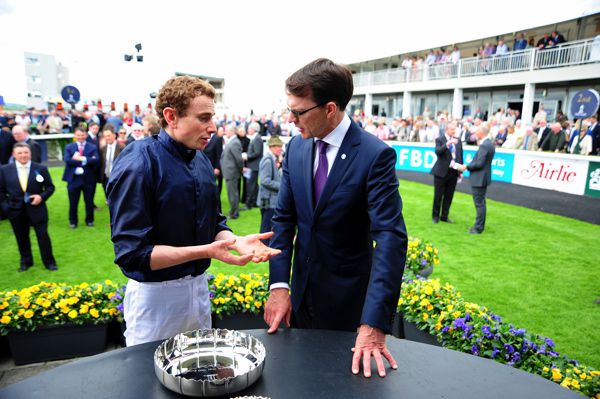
{"x":207,"y":363}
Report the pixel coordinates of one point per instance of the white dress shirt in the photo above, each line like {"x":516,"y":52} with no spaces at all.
{"x":334,"y":141}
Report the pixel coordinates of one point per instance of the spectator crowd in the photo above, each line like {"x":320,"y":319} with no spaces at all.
{"x":246,"y":152}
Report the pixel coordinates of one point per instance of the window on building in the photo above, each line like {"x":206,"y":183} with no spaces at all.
{"x":35,"y":78}
{"x":32,"y":60}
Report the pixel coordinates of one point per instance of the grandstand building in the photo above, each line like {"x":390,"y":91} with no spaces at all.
{"x":519,"y":79}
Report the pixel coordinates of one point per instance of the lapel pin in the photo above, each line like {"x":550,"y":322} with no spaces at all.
{"x":343,"y":156}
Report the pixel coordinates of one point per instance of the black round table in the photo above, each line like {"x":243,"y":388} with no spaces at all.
{"x":302,"y":364}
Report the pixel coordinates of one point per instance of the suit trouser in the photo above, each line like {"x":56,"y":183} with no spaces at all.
{"x":242,"y":193}
{"x":443,"y":193}
{"x":479,"y":201}
{"x":252,"y":189}
{"x":88,"y":198}
{"x":233,"y":195}
{"x":266,"y":223}
{"x":219,"y":181}
{"x":20,"y":226}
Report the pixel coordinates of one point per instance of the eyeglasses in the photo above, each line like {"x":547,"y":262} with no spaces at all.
{"x":298,"y":113}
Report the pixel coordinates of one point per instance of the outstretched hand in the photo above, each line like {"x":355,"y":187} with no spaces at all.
{"x":252,"y":245}
{"x":220,"y":250}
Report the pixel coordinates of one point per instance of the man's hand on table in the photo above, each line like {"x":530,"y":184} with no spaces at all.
{"x":278,"y":309}
{"x":371,"y":342}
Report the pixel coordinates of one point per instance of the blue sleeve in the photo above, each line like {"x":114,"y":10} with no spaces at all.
{"x":69,"y":151}
{"x":284,"y":227}
{"x":129,"y":195}
{"x":389,"y":233}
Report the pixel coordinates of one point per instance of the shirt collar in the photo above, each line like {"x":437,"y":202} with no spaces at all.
{"x":179,"y":148}
{"x":337,"y":135}
{"x":26,"y":166}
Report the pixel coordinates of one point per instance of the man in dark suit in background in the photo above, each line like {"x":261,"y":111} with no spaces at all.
{"x":338,"y":196}
{"x":594,"y":131}
{"x":108,"y":154}
{"x":6,"y":144}
{"x":81,"y":160}
{"x":542,"y":131}
{"x":255,"y":154}
{"x":232,"y":164}
{"x":481,"y":176}
{"x":21,"y":135}
{"x":445,"y":175}
{"x":213,"y":152}
{"x":25,"y":187}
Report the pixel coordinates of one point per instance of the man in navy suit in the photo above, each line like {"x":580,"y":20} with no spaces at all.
{"x":81,"y":159}
{"x":445,"y":176}
{"x":25,"y":187}
{"x":481,"y":176}
{"x":338,"y":198}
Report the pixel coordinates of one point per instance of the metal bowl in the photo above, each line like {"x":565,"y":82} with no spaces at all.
{"x":208,"y":363}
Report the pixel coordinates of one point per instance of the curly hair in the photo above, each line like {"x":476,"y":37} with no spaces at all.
{"x":178,"y":92}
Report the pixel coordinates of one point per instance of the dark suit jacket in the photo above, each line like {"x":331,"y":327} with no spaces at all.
{"x":118,"y":149}
{"x":595,"y":139}
{"x":481,"y":165}
{"x":36,"y":150}
{"x":89,"y":176}
{"x":6,"y":144}
{"x":232,"y":162}
{"x":350,"y":282}
{"x":213,"y":151}
{"x":11,"y":194}
{"x":545,"y":133}
{"x":444,"y":157}
{"x":255,"y":152}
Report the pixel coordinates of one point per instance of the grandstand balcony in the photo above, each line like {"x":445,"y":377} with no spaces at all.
{"x":571,"y":61}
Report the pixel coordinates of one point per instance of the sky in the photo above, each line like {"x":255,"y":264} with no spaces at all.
{"x":254,"y":45}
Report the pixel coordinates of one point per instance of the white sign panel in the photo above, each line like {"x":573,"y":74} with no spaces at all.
{"x":550,"y":173}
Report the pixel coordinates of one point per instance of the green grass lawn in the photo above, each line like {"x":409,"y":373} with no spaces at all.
{"x":537,"y":271}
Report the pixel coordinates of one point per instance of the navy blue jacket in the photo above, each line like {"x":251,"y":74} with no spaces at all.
{"x":90,"y":173}
{"x":350,"y":281}
{"x":161,"y":193}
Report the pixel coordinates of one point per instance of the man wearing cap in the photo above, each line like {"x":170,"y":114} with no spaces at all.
{"x":270,"y":176}
{"x":25,"y":186}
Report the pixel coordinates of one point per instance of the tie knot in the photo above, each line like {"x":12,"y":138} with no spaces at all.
{"x":322,"y":146}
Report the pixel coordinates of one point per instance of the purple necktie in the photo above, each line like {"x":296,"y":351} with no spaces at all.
{"x":321,"y":175}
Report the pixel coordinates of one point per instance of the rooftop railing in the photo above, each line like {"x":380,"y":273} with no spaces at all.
{"x":566,"y":54}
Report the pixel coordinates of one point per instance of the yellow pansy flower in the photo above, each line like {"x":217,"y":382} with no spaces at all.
{"x":556,"y":375}
{"x":5,"y":319}
{"x":73,"y":314}
{"x":94,"y":313}
{"x":28,"y":314}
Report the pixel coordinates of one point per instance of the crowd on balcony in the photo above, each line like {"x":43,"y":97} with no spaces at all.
{"x":505,"y":130}
{"x":443,"y":61}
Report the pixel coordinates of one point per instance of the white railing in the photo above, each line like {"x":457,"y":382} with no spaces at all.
{"x":566,"y":54}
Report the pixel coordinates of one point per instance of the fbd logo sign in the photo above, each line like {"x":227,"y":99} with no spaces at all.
{"x":592,"y":187}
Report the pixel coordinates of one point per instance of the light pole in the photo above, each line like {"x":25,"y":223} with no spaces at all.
{"x":139,"y":58}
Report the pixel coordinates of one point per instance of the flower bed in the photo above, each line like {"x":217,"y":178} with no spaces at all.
{"x":246,"y":293}
{"x":435,"y":308}
{"x":47,"y":304}
{"x":420,"y":255}
{"x":467,"y":327}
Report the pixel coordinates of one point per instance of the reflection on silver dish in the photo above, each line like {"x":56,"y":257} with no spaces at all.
{"x":209,"y":362}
